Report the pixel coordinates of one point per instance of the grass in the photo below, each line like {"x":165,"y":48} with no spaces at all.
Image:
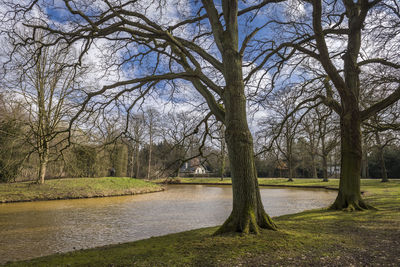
{"x":74,"y":188}
{"x":267,"y":181}
{"x":297,"y":182}
{"x":311,"y":238}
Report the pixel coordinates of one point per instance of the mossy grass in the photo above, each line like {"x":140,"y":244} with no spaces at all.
{"x":69,"y":188}
{"x":312,"y":238}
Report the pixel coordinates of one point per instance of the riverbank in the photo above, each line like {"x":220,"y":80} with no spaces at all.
{"x":273,"y":182}
{"x":71,"y":188}
{"x":311,"y":238}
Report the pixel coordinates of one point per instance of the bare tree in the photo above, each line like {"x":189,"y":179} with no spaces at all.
{"x":181,"y":130}
{"x":282,"y":127}
{"x":45,"y":80}
{"x":338,"y":36}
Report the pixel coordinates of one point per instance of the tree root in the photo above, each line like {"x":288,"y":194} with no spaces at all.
{"x":247,"y":224}
{"x":265,"y":222}
{"x":350,"y":205}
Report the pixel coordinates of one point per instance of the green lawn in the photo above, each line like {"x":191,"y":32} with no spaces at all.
{"x":311,"y":238}
{"x":74,"y":188}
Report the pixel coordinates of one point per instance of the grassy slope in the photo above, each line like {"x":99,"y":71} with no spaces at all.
{"x":317,"y":237}
{"x":74,"y":188}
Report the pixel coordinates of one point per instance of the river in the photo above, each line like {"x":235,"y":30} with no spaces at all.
{"x":33,"y":229}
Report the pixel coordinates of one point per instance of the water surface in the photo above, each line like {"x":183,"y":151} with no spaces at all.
{"x":33,"y":229}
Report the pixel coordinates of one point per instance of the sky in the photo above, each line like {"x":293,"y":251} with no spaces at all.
{"x":185,"y":98}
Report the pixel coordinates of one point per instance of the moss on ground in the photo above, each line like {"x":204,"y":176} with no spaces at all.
{"x":311,"y":238}
{"x":74,"y":188}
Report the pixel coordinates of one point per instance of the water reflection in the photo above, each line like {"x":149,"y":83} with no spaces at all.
{"x":35,"y":229}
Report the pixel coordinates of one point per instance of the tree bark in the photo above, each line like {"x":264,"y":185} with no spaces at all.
{"x":349,"y":196}
{"x":44,"y":158}
{"x":248,"y":214}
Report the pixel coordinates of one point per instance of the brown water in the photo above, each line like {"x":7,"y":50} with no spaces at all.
{"x":34,"y":229}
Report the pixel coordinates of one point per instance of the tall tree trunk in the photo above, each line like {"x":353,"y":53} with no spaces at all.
{"x":324,"y":168}
{"x":150,"y":148}
{"x":178,"y":173}
{"x":137,"y":159}
{"x":383,"y":167}
{"x":290,"y":169}
{"x":349,"y":196}
{"x":132,"y":161}
{"x":248,"y":214}
{"x":364,"y":163}
{"x":44,"y":158}
{"x":222,"y":165}
{"x":381,"y":158}
{"x":314,"y":167}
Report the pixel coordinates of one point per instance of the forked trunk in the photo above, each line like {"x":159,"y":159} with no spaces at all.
{"x":349,"y":196}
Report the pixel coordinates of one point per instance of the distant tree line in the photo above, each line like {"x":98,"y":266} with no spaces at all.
{"x":306,"y":148}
